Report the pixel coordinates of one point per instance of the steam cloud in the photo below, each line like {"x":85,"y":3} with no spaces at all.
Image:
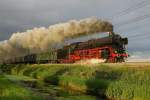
{"x":42,"y":39}
{"x":90,"y":61}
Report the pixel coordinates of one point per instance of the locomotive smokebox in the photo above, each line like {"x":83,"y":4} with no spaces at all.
{"x":125,"y":41}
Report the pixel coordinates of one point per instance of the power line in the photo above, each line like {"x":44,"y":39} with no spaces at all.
{"x":132,"y":28}
{"x":140,"y":38}
{"x":139,"y":35}
{"x":139,"y":18}
{"x":134,"y":20}
{"x":132,"y":8}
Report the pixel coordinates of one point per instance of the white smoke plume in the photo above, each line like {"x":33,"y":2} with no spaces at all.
{"x":42,"y":39}
{"x":91,"y":61}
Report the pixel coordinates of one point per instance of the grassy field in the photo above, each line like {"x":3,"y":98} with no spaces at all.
{"x":11,"y":91}
{"x":128,"y":81}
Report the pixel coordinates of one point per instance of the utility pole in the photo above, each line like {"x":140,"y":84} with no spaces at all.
{"x":69,"y":53}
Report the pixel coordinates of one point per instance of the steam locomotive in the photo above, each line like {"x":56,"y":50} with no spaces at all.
{"x":111,"y":48}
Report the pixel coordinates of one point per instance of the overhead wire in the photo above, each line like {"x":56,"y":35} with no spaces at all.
{"x":139,"y":35}
{"x":132,"y":8}
{"x":139,"y":18}
{"x":140,"y":39}
{"x":135,"y":20}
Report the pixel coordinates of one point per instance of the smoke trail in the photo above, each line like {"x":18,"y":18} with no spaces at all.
{"x":42,"y":39}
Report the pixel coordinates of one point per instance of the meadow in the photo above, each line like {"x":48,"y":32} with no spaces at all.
{"x":12,"y":91}
{"x":126,"y":81}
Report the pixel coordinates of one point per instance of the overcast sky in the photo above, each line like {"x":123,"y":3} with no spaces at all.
{"x":20,"y":15}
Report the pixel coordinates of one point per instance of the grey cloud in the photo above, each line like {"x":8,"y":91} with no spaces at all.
{"x":21,"y":15}
{"x":138,"y":56}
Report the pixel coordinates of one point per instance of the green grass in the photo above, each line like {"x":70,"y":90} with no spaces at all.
{"x":120,"y":82}
{"x":82,"y":97}
{"x":57,"y":92}
{"x":132,"y":85}
{"x":11,"y":91}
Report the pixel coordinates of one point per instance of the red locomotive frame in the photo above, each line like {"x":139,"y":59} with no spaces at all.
{"x":94,"y":53}
{"x":115,"y":43}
